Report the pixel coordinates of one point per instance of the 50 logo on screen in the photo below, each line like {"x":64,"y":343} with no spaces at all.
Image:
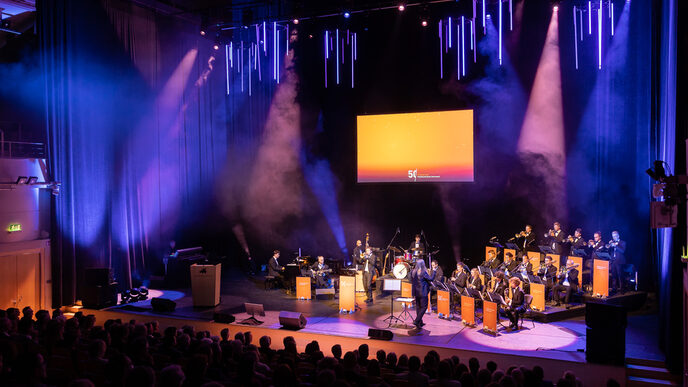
{"x":413,"y":174}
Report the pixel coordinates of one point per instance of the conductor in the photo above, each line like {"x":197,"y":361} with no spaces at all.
{"x":421,"y":278}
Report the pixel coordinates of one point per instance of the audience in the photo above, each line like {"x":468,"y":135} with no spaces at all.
{"x":37,"y":350}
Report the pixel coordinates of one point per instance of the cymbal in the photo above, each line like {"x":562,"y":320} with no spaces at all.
{"x":394,"y":249}
{"x":417,"y":249}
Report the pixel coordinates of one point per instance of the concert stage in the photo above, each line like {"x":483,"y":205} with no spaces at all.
{"x":557,"y":346}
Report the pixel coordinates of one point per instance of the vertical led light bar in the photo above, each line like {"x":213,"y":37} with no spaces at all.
{"x":580,"y":24}
{"x":241,"y":65}
{"x":441,"y":64}
{"x":355,"y":46}
{"x":274,"y":51}
{"x":337,"y":57}
{"x":231,"y":55}
{"x":511,"y":16}
{"x":265,"y":40}
{"x":277,"y":57}
{"x":450,"y":33}
{"x":463,"y":47}
{"x":352,"y":59}
{"x":227,"y":65}
{"x":458,"y":52}
{"x":499,"y":4}
{"x":611,"y":16}
{"x":250,"y":53}
{"x":575,"y":35}
{"x":327,"y":53}
{"x":589,"y":17}
{"x":599,"y":36}
{"x":286,"y":41}
{"x":484,"y":18}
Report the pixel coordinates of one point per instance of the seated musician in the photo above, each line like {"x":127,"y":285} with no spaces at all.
{"x":417,"y":247}
{"x":567,"y":281}
{"x":498,"y":284}
{"x":548,"y":273}
{"x":275,"y":269}
{"x":509,"y":265}
{"x":492,"y":262}
{"x":515,"y":305}
{"x":435,"y":267}
{"x":459,"y":276}
{"x":525,"y":267}
{"x":320,"y":272}
{"x":475,"y":282}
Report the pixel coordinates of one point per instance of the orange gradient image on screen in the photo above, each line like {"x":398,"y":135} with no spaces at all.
{"x":416,"y":147}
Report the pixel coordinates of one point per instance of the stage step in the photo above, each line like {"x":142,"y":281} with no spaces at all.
{"x":643,"y":372}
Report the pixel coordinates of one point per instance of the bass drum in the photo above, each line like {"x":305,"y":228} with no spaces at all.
{"x":401,"y":270}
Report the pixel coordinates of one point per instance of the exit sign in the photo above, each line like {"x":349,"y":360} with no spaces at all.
{"x":14,"y":227}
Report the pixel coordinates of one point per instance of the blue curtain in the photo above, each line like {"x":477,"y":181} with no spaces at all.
{"x":136,"y":127}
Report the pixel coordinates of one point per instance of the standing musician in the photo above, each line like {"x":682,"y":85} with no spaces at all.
{"x":459,"y":276}
{"x":509,"y":265}
{"x":577,"y":241}
{"x":421,"y":278}
{"x":514,"y":305}
{"x":359,"y":250}
{"x":320,"y":272}
{"x":617,"y":248}
{"x":368,"y":262}
{"x":475,"y":282}
{"x":556,"y":238}
{"x":567,"y":281}
{"x":596,"y":245}
{"x":275,"y":269}
{"x":548,"y":273}
{"x":492,"y":262}
{"x":526,"y":238}
{"x":417,"y":247}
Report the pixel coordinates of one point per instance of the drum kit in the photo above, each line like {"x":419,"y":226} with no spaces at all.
{"x":405,"y":260}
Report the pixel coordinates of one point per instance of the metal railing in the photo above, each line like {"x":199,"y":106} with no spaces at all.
{"x":21,"y":150}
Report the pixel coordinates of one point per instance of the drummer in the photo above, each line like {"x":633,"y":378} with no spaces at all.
{"x":417,"y":247}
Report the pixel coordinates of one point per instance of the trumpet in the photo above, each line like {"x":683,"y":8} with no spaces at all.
{"x":520,"y":234}
{"x":611,"y":244}
{"x":570,"y":238}
{"x":549,"y":233}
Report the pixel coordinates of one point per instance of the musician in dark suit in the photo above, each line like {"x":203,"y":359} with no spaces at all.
{"x":459,"y":276}
{"x":596,"y":245}
{"x":368,"y":263}
{"x":556,"y":238}
{"x":475,"y":282}
{"x":567,"y":282}
{"x":509,"y":264}
{"x":617,"y":249}
{"x":492,"y":261}
{"x":359,"y":250}
{"x":498,"y":284}
{"x":526,"y":238}
{"x":439,"y":274}
{"x":421,"y":278}
{"x":320,"y":273}
{"x":577,"y":241}
{"x":515,"y":305}
{"x":417,"y":247}
{"x":275,"y":269}
{"x":548,"y":274}
{"x":525,"y":267}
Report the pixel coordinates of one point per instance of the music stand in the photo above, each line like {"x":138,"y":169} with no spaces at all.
{"x":579,"y":253}
{"x":534,"y":279}
{"x":546,"y":250}
{"x":512,"y":246}
{"x":253,"y":309}
{"x":391,"y":285}
{"x":603,"y":255}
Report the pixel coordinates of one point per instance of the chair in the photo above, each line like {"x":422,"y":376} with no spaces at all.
{"x":528,"y":300}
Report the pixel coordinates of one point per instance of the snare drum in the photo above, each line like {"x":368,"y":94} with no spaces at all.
{"x":407,"y":256}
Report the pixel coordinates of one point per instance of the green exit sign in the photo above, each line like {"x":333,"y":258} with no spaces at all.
{"x":14,"y":227}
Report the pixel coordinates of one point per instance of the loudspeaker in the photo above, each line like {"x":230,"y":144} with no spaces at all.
{"x":325,"y":293}
{"x":99,"y":297}
{"x":380,"y":334}
{"x":224,"y":318}
{"x":605,"y":316}
{"x":292,"y":320}
{"x":163,"y":305}
{"x":605,"y":340}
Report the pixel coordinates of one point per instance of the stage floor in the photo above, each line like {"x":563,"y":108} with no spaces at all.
{"x":562,"y":340}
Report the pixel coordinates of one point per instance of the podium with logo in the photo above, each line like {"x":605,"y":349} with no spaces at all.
{"x":490,"y":317}
{"x":347,"y":294}
{"x":303,"y":288}
{"x":538,"y":293}
{"x":600,"y":278}
{"x":443,"y":303}
{"x":205,"y":284}
{"x":468,"y":310}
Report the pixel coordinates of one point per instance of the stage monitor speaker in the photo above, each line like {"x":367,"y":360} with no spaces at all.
{"x":605,"y":316}
{"x":325,"y":293}
{"x":380,"y":334}
{"x":292,"y":320}
{"x":163,"y":305}
{"x":99,"y":297}
{"x":223,"y":317}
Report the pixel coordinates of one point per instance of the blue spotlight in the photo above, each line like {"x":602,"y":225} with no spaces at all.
{"x":346,"y":14}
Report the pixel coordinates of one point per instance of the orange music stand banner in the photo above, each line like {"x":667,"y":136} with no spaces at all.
{"x":490,"y":317}
{"x":347,"y":294}
{"x":443,"y":303}
{"x":600,"y":278}
{"x":406,"y":289}
{"x":538,"y":293}
{"x":468,"y":310}
{"x":429,"y":311}
{"x":534,"y":259}
{"x":488,"y":249}
{"x":579,"y":262}
{"x":303,"y":288}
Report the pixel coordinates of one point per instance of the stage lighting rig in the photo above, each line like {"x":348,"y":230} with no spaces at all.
{"x":672,"y":189}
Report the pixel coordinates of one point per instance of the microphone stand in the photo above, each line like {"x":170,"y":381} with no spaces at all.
{"x":390,"y":244}
{"x":427,"y":248}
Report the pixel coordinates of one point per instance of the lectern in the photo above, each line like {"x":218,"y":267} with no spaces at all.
{"x":205,"y":284}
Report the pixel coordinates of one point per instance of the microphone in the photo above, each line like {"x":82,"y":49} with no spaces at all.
{"x":397,"y":229}
{"x":422,"y":233}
